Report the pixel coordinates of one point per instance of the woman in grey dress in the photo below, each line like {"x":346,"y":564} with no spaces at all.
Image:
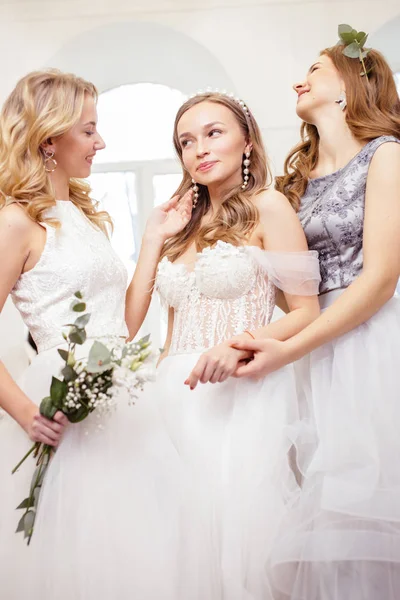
{"x":342,"y":539}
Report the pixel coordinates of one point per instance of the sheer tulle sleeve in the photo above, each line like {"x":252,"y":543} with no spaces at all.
{"x":296,"y":273}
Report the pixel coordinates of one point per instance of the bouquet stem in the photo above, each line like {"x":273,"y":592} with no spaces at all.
{"x":34,"y":448}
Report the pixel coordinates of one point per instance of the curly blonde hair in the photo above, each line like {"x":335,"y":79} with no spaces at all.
{"x":43,"y":105}
{"x":237,"y":216}
{"x":373,"y":110}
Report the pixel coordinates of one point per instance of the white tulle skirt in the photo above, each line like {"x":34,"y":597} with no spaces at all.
{"x":108,"y":523}
{"x":341,"y":538}
{"x":234,"y":439}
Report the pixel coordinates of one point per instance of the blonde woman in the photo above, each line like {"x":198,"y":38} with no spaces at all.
{"x":342,"y":539}
{"x":106,"y":518}
{"x":218,"y":278}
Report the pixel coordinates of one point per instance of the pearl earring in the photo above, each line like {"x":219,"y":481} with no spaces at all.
{"x":246,"y":171}
{"x":342,"y":100}
{"x":195,"y":189}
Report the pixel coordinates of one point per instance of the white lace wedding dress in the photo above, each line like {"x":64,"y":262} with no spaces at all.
{"x":234,"y":437}
{"x":107,"y":521}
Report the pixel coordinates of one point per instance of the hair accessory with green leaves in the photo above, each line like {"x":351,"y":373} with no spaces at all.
{"x":354,"y":42}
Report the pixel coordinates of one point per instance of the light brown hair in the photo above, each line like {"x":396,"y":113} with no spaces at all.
{"x":373,"y":110}
{"x":43,"y":105}
{"x":238,"y":215}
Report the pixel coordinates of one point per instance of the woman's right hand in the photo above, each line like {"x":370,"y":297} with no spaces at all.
{"x":170,"y":218}
{"x":44,"y":430}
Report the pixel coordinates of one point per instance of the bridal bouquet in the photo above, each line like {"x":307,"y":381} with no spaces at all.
{"x":87,"y":385}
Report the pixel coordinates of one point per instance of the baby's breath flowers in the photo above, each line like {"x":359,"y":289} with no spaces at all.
{"x":88,"y":385}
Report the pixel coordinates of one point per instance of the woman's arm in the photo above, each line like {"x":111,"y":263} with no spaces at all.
{"x":167,"y":344}
{"x":280,"y":231}
{"x":370,"y":291}
{"x":164,"y":222}
{"x":15,"y":235}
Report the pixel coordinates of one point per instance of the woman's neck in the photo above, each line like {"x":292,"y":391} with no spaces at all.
{"x":60,"y":185}
{"x":337,"y":146}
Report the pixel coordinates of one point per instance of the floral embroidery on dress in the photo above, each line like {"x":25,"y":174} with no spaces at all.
{"x":332,"y":215}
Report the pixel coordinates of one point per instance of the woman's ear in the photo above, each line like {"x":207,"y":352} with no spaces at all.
{"x":47,"y":146}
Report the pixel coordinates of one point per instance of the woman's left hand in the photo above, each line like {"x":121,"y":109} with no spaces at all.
{"x":216,"y":365}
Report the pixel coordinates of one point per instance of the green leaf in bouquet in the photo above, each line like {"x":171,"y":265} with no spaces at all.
{"x":78,"y":306}
{"x":144,"y":341}
{"x":38,"y":476}
{"x":64,"y":354}
{"x":58,"y":391}
{"x":82,"y":321}
{"x":78,"y":415}
{"x":48,"y":408}
{"x":36,"y":495}
{"x":27,"y":503}
{"x":78,"y":295}
{"x":21,"y":524}
{"x":77,"y":336}
{"x":99,"y":359}
{"x":135,"y":364}
{"x":69,"y":374}
{"x":144,"y":354}
{"x":29,"y":520}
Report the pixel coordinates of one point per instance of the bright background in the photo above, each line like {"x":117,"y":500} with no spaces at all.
{"x":146,"y":56}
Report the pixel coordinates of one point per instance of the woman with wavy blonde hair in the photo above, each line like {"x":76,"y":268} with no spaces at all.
{"x":108,"y":506}
{"x":218,"y":278}
{"x":342,"y":536}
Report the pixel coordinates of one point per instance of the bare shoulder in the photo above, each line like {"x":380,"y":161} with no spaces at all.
{"x":16,"y":228}
{"x":272,"y":203}
{"x":15,"y":221}
{"x":279,"y":227}
{"x":386,"y":157}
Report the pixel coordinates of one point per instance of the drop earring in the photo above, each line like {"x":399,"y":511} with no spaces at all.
{"x":195,"y":190}
{"x":246,"y":171}
{"x":342,"y":101}
{"x":50,"y":163}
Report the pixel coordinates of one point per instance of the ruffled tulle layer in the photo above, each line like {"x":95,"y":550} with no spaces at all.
{"x":234,"y":439}
{"x":108,"y":519}
{"x":341,"y":538}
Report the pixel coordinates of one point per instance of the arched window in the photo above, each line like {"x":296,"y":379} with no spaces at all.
{"x":138,"y":169}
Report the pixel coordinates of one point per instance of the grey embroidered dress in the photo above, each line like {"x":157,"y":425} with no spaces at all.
{"x":342,"y":538}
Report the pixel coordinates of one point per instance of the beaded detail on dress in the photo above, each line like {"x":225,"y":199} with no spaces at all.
{"x":332,"y":215}
{"x":226,"y":293}
{"x":76,"y":257}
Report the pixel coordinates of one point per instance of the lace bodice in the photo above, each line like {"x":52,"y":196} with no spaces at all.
{"x":332,"y":215}
{"x":230,"y":289}
{"x":76,"y":256}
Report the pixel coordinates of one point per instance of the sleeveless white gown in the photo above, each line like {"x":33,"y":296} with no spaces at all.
{"x":107,"y":522}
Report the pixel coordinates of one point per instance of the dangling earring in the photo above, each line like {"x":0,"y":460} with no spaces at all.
{"x":49,"y":157}
{"x":246,"y":172}
{"x":195,"y":189}
{"x":342,"y":101}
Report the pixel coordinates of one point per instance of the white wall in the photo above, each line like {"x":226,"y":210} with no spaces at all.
{"x":254,"y":48}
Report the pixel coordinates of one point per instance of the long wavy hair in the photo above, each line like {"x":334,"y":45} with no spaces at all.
{"x":373,"y":110}
{"x":237,"y":216}
{"x":43,"y":105}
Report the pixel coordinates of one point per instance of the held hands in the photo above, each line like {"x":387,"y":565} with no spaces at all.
{"x":216,"y":365}
{"x":170,"y":218}
{"x":45,"y":431}
{"x":269,"y":355}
